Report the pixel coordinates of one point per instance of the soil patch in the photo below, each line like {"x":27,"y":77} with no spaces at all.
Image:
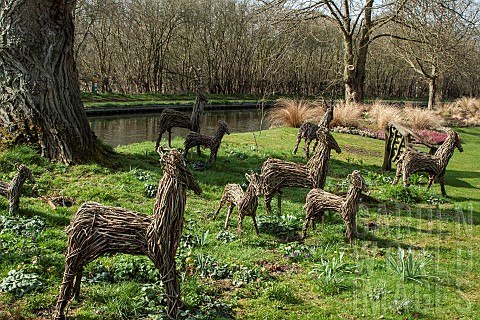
{"x":362,"y":151}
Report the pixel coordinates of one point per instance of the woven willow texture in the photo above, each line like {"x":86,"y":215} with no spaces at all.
{"x":318,"y":201}
{"x":195,"y":139}
{"x":412,"y":161}
{"x":96,"y":230}
{"x":278,"y":174}
{"x":246,"y":201}
{"x":12,"y":190}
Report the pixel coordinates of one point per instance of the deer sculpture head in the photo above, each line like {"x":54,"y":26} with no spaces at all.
{"x":255,"y":180}
{"x":324,"y":136}
{"x":358,"y":181}
{"x":174,"y":164}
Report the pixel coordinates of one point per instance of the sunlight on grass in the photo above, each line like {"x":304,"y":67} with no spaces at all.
{"x":270,"y":276}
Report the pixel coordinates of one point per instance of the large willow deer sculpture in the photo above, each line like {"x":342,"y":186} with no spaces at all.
{"x":96,"y":230}
{"x":278,"y":174}
{"x":435,"y":165}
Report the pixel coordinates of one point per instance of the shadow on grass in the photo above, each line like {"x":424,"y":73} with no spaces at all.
{"x":458,"y":215}
{"x":407,"y":229}
{"x":385,"y":243}
{"x":51,"y":219}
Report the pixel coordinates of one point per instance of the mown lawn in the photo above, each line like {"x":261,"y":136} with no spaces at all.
{"x":271,"y":276}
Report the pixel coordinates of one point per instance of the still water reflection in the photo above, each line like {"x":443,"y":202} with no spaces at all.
{"x":130,"y":128}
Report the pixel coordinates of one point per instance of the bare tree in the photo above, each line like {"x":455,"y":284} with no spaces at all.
{"x":431,"y":35}
{"x":357,"y":21}
{"x":40,"y":102}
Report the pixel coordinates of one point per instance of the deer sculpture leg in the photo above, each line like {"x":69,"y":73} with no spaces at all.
{"x":299,"y":138}
{"x":441,"y":181}
{"x":279,"y":203}
{"x":268,"y":203}
{"x":255,"y":224}
{"x":307,"y":148}
{"x":220,"y":206}
{"x":405,"y":177}
{"x":71,"y":283}
{"x":240,"y":222}
{"x":77,"y":285}
{"x":170,"y":137}
{"x":398,"y":173}
{"x":431,"y":178}
{"x":229,"y":212}
{"x":308,"y":218}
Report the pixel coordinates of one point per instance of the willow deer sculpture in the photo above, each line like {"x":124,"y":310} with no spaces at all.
{"x":12,"y":190}
{"x":308,"y":131}
{"x":195,"y":139}
{"x":278,"y":174}
{"x":97,"y":229}
{"x":170,"y":118}
{"x":246,"y":201}
{"x":318,"y":201}
{"x":435,"y":165}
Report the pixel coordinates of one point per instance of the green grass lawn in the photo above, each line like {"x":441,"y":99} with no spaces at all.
{"x":419,"y":259}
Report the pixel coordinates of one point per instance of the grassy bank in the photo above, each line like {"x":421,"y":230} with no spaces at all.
{"x":271,"y":276}
{"x":118,"y":99}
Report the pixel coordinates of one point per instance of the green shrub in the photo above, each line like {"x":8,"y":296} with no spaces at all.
{"x":20,"y":283}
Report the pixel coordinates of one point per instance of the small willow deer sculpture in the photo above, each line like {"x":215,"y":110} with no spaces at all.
{"x":195,"y":139}
{"x":308,"y":131}
{"x":246,"y":201}
{"x":12,"y":190}
{"x":435,"y":165}
{"x":278,"y":174}
{"x":318,"y":201}
{"x":96,"y":230}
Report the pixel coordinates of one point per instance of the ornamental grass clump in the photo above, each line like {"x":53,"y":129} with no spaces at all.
{"x":292,"y":113}
{"x":464,"y":111}
{"x":421,"y":119}
{"x":347,"y":114}
{"x":379,"y":115}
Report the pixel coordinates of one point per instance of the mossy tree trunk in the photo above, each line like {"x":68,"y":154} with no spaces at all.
{"x":40,"y":101}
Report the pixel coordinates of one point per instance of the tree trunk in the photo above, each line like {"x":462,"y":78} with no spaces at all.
{"x":432,"y":88}
{"x":354,"y":72}
{"x":40,"y":101}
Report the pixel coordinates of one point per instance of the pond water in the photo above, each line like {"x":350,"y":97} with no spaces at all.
{"x":125,"y":129}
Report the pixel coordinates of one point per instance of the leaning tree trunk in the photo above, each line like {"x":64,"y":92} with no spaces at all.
{"x":40,"y":99}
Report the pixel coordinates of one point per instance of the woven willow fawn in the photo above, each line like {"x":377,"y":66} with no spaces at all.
{"x":12,"y":190}
{"x":195,"y":139}
{"x":435,"y":165}
{"x":96,"y":230}
{"x":246,"y":201}
{"x":278,"y":174}
{"x":318,"y":201}
{"x":308,"y":131}
{"x":170,"y":118}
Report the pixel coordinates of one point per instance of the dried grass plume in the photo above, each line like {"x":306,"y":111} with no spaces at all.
{"x":292,"y":113}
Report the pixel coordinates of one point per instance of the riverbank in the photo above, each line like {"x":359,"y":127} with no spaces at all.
{"x":115,"y":103}
{"x":152,"y":108}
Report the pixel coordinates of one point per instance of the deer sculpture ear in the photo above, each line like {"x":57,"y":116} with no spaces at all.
{"x":249,"y":177}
